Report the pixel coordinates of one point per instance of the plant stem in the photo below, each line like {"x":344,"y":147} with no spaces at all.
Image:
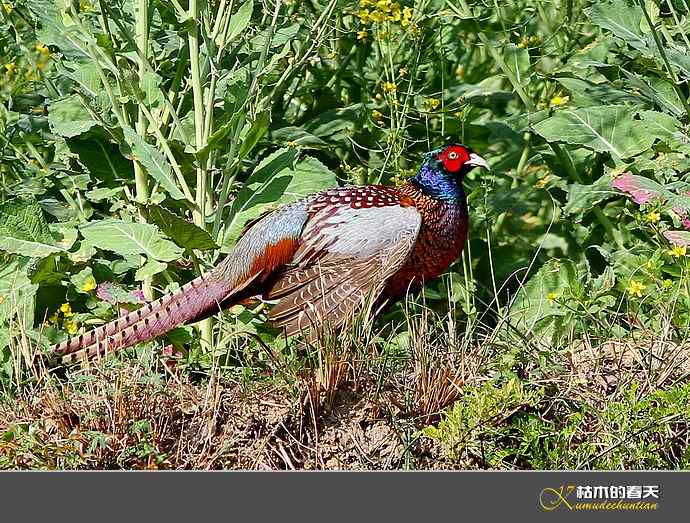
{"x":662,"y":52}
{"x":140,"y":175}
{"x":205,"y":326}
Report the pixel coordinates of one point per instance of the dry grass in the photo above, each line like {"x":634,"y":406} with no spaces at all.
{"x":360,"y":401}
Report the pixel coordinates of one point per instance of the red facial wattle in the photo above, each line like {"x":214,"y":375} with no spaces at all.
{"x":453,"y":158}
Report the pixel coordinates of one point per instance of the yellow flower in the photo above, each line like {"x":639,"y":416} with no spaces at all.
{"x":71,"y":327}
{"x":652,"y":217}
{"x":66,"y":309}
{"x":667,"y":284}
{"x":364,"y":3}
{"x":635,"y":288}
{"x":362,"y":35}
{"x":10,"y":67}
{"x":552,"y":297}
{"x":42,"y":48}
{"x":406,"y":16}
{"x":377,"y":17}
{"x":376,"y":115}
{"x":678,"y":251}
{"x":541,"y":182}
{"x":390,"y":87}
{"x":8,"y":7}
{"x":433,"y":103}
{"x":558,"y":100}
{"x":89,"y":284}
{"x":541,"y":104}
{"x":364,"y":15}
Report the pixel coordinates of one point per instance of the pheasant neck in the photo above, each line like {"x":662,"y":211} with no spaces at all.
{"x":432,"y":182}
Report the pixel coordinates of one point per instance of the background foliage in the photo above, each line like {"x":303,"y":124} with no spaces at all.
{"x":138,"y":136}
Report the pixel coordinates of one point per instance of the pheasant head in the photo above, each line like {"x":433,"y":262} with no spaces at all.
{"x":441,"y":174}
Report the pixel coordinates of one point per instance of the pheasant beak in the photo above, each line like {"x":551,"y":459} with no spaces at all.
{"x":477,"y":161}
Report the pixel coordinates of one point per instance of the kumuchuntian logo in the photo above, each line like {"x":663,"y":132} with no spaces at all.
{"x":600,"y":497}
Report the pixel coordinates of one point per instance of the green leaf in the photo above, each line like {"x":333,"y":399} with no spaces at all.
{"x":276,"y":180}
{"x":661,"y":125}
{"x":609,"y":129}
{"x":256,"y":132}
{"x":68,"y":117}
{"x":154,"y":162}
{"x":84,"y":281}
{"x":240,"y":20}
{"x":622,"y":18}
{"x":582,"y":198}
{"x":182,"y":232}
{"x":17,"y":293}
{"x":24,"y":230}
{"x":536,"y":304}
{"x":149,"y":269}
{"x":125,"y":239}
{"x":103,"y":160}
{"x":517,"y":60}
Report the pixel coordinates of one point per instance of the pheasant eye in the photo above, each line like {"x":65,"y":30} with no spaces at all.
{"x":453,"y":155}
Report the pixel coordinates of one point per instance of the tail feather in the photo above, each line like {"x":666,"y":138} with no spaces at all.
{"x":196,"y":300}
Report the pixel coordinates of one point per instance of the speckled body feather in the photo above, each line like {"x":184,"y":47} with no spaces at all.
{"x":320,"y":259}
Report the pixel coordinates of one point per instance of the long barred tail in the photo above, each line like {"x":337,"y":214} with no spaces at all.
{"x":197,"y":299}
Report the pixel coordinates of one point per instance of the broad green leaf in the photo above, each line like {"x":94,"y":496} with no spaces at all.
{"x":125,"y":239}
{"x":657,"y":90}
{"x":183,"y":233}
{"x":219,"y":137}
{"x":103,"y":160}
{"x":68,"y":117}
{"x":297,"y":135}
{"x":609,"y":129}
{"x":58,"y":29}
{"x":240,"y":20}
{"x":660,"y":125}
{"x":536,"y":305}
{"x":24,"y":230}
{"x":587,"y":93}
{"x":84,"y":281}
{"x":517,"y":60}
{"x":256,"y":132}
{"x":154,"y":162}
{"x":64,"y":235}
{"x":281,"y":36}
{"x":150,"y":268}
{"x":104,"y":193}
{"x":16,"y":292}
{"x":622,"y":18}
{"x":112,"y":293}
{"x":582,"y":198}
{"x":275,"y":181}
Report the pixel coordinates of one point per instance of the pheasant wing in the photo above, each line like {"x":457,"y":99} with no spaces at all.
{"x":346,"y":254}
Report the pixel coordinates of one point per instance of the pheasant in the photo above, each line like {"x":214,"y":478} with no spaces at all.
{"x":321,"y":258}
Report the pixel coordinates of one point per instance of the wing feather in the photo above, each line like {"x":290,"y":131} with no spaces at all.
{"x":345,"y":256}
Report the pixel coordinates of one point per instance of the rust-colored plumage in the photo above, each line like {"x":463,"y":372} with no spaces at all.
{"x":321,"y":258}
